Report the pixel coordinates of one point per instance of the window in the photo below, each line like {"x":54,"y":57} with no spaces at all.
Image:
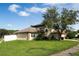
{"x":32,"y":35}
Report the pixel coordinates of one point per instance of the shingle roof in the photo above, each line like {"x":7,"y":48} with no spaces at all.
{"x":28,"y":30}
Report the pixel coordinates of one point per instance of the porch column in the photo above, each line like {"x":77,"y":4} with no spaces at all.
{"x":29,"y":36}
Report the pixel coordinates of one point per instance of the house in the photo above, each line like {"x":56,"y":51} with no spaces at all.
{"x":33,"y":31}
{"x":27,"y":33}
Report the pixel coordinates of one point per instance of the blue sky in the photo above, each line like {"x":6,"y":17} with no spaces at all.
{"x":23,"y":15}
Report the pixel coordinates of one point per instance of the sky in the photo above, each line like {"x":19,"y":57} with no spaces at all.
{"x":16,"y":16}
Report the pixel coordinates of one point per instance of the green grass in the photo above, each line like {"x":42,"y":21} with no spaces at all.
{"x":34,"y":48}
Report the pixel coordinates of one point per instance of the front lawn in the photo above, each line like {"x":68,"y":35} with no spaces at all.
{"x":33,"y":48}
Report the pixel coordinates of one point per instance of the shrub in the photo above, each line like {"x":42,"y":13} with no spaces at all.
{"x":71,"y":34}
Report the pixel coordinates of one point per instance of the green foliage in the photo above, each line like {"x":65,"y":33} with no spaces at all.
{"x":3,"y":32}
{"x":60,"y":21}
{"x":6,"y":32}
{"x":41,"y":37}
{"x":50,"y":17}
{"x":11,"y":31}
{"x":34,"y":48}
{"x":69,"y":17}
{"x":71,"y":34}
{"x":77,"y":31}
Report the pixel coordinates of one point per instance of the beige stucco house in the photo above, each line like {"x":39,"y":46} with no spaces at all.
{"x":33,"y":31}
{"x":27,"y":33}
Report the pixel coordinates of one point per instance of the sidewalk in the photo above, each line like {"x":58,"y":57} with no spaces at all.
{"x":68,"y":52}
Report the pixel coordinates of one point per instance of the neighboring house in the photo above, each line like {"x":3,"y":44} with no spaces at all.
{"x":33,"y":31}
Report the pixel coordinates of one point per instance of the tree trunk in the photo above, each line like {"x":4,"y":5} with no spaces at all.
{"x":59,"y":34}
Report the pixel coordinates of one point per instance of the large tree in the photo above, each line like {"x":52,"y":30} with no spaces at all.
{"x":60,"y":21}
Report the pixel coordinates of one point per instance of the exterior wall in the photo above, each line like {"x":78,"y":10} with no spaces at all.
{"x":26,"y":36}
{"x":29,"y":36}
{"x":33,"y":36}
{"x":22,"y":36}
{"x":64,"y":36}
{"x":54,"y":36}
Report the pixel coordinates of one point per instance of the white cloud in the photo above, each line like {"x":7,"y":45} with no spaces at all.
{"x":9,"y":25}
{"x":13,"y":7}
{"x":23,"y":13}
{"x":36,"y":9}
{"x":49,"y":4}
